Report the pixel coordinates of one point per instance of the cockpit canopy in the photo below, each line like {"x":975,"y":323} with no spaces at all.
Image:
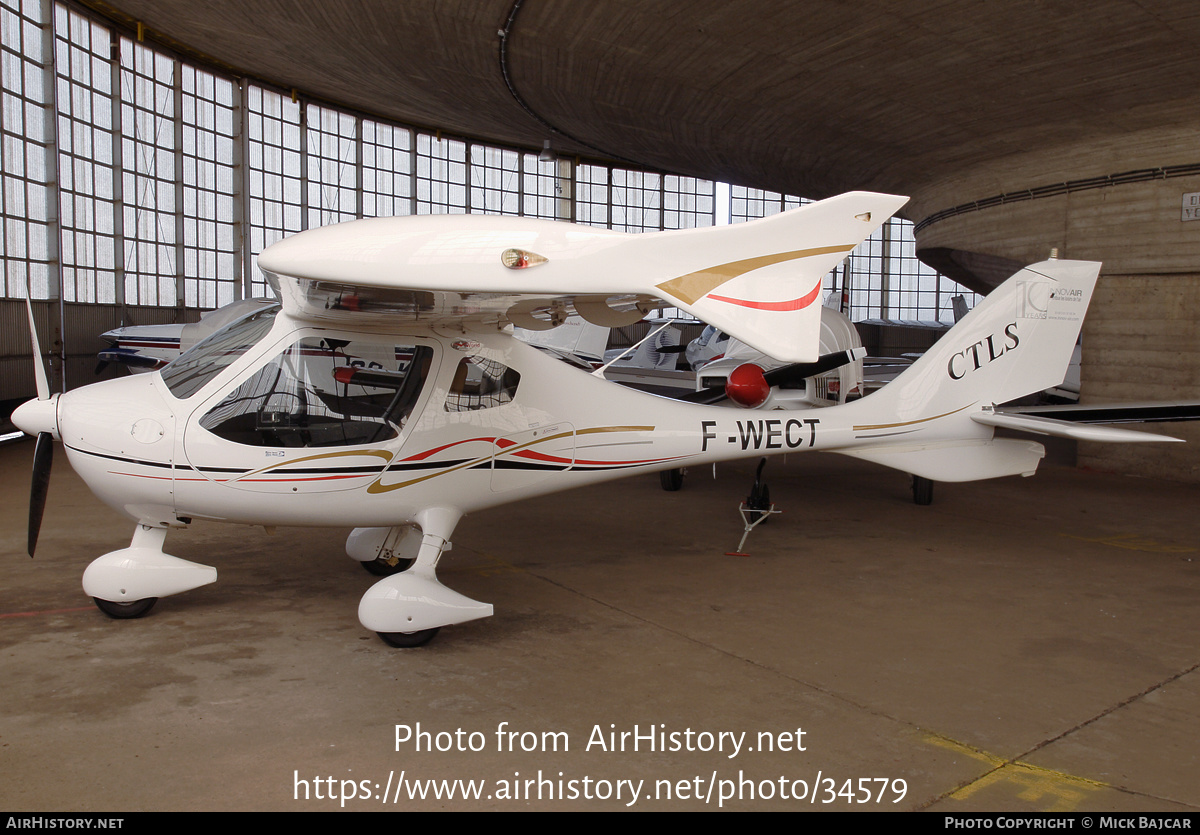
{"x":323,"y":392}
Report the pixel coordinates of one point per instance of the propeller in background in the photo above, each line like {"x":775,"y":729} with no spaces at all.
{"x":749,"y":385}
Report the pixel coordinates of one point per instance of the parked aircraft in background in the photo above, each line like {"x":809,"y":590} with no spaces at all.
{"x":826,"y":389}
{"x":143,"y":348}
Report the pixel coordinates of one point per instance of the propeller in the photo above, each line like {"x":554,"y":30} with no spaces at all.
{"x":43,"y":459}
{"x":779,"y":376}
{"x":800,"y":370}
{"x":38,"y":417}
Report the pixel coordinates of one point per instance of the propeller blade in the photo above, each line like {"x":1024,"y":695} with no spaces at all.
{"x":39,"y":369}
{"x":802,"y":370}
{"x":43,"y":458}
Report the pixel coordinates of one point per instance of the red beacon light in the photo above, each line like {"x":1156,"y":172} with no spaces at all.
{"x":747,"y":387}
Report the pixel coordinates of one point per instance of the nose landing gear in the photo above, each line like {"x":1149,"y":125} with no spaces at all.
{"x":127,"y":583}
{"x":125,"y":611}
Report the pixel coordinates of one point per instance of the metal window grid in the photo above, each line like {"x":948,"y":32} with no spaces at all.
{"x":28,"y":203}
{"x":92,"y":264}
{"x":210,"y":181}
{"x":132,"y":176}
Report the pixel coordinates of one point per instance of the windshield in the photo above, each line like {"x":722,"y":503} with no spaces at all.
{"x":209,"y":357}
{"x":321,"y":392}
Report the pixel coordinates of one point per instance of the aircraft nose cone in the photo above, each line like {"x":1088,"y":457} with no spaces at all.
{"x":36,"y":416}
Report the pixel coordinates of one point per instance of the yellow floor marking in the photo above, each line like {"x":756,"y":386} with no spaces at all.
{"x":1041,"y":786}
{"x":1133,"y":542}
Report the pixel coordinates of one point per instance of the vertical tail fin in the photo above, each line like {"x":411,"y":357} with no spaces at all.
{"x":1015,"y":342}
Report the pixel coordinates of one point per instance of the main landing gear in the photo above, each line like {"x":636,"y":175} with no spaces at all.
{"x":408,"y":608}
{"x":384,"y":552}
{"x":408,"y":640}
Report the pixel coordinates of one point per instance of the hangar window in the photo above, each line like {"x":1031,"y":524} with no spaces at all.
{"x":481,"y":384}
{"x":134,"y":177}
{"x":324,"y":392}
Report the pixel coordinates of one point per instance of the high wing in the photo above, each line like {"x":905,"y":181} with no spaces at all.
{"x":758,"y":281}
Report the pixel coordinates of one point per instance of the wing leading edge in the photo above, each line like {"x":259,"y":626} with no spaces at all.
{"x":758,"y":281}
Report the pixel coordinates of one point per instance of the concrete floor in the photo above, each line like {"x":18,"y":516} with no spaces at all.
{"x":1021,"y":645}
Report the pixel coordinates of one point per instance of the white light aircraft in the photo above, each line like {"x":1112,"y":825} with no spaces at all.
{"x":387,"y":391}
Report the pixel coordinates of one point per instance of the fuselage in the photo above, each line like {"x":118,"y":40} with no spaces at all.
{"x":264,"y":429}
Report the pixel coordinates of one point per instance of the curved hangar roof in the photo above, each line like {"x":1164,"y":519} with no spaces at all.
{"x":946,"y":101}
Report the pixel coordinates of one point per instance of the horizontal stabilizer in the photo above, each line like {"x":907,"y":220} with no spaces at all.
{"x":1066,"y":429}
{"x":1165,"y":412}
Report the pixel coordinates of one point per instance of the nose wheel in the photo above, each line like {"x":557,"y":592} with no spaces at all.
{"x":405,"y":640}
{"x":755,"y":510}
{"x":125,"y":611}
{"x":126,"y":584}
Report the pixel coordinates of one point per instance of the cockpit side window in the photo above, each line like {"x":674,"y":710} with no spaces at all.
{"x":212,"y":355}
{"x":324,"y":392}
{"x":481,"y":384}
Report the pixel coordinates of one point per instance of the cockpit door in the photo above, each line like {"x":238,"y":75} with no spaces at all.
{"x":326,"y":412}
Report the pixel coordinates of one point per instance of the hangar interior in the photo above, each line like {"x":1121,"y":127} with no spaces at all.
{"x":153,"y":148}
{"x":151,"y":151}
{"x":142,"y":186}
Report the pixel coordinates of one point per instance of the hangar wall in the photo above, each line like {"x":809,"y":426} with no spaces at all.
{"x":1142,"y":343}
{"x":1141,"y":340}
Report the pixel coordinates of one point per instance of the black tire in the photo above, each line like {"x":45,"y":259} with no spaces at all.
{"x":406,"y":640}
{"x":922,"y":489}
{"x":381,"y":568}
{"x":759,"y":502}
{"x":671,"y":480}
{"x":125,"y":611}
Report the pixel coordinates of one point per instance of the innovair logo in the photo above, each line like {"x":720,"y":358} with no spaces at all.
{"x":1033,"y":299}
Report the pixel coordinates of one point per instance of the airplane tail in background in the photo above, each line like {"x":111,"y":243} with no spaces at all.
{"x":934,"y":419}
